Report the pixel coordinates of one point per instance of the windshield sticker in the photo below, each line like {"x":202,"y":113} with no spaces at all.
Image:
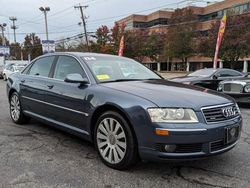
{"x":89,"y":58}
{"x":103,"y":77}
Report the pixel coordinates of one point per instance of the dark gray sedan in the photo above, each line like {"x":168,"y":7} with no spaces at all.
{"x":128,"y":111}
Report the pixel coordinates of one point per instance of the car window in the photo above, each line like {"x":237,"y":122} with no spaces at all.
{"x":68,"y":65}
{"x":42,"y":66}
{"x":228,"y":73}
{"x":112,"y":68}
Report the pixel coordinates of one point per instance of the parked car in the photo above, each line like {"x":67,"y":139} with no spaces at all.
{"x":238,"y":89}
{"x":127,"y":115}
{"x":209,"y":78}
{"x":1,"y":72}
{"x":10,"y":69}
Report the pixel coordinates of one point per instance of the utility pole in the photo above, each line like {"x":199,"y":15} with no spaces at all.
{"x":80,"y":7}
{"x":45,"y":10}
{"x":14,"y":27}
{"x":2,"y":26}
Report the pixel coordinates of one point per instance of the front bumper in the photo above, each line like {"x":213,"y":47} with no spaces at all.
{"x":191,"y":143}
{"x":240,"y":97}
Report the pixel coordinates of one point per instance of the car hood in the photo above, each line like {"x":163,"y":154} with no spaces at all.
{"x":165,"y":93}
{"x":187,"y":79}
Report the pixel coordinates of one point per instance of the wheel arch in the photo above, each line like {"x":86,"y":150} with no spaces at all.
{"x":12,"y":90}
{"x":110,"y":107}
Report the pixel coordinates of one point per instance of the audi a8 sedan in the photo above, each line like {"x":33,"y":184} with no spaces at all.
{"x":127,"y":111}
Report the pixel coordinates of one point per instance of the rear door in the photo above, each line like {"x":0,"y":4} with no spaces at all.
{"x":33,"y":85}
{"x":68,"y":103}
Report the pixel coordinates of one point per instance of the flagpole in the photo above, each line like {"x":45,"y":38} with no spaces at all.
{"x":219,"y":39}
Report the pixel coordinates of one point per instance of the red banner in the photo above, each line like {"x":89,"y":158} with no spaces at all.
{"x":122,"y":46}
{"x":219,"y":39}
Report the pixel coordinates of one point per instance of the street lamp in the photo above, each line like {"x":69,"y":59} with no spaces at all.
{"x":45,"y":10}
{"x":14,"y":27}
{"x":2,"y":26}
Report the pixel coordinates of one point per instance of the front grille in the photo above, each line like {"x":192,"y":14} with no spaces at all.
{"x":188,"y":148}
{"x":233,"y":87}
{"x":217,"y":114}
{"x":218,"y":145}
{"x":182,"y":148}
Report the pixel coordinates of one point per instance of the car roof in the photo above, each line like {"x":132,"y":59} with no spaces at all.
{"x":219,"y":69}
{"x":84,"y":54}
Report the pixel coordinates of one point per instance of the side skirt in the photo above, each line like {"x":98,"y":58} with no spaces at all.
{"x":62,"y":126}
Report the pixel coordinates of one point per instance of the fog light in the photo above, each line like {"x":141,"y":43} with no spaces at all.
{"x":170,"y":148}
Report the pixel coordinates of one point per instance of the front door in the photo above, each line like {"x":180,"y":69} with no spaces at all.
{"x":67,"y":101}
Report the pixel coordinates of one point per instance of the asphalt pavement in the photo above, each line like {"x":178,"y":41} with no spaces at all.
{"x":37,"y":155}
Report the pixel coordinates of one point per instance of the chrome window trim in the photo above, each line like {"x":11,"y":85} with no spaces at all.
{"x":58,"y":123}
{"x":57,"y":106}
{"x":70,"y":55}
{"x":217,"y":106}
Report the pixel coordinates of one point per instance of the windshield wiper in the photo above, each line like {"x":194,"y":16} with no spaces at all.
{"x":121,"y":80}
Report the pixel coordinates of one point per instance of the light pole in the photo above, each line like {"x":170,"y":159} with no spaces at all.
{"x":45,"y":10}
{"x":14,"y":27}
{"x":2,"y":26}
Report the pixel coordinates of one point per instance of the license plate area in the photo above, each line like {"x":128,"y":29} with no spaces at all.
{"x":232,"y":134}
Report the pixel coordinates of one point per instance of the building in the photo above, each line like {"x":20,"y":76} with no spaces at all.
{"x":159,"y":22}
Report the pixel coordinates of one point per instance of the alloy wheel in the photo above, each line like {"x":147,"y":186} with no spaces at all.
{"x":15,"y":108}
{"x":111,"y":140}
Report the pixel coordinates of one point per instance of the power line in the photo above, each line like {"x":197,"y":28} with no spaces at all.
{"x":81,"y":7}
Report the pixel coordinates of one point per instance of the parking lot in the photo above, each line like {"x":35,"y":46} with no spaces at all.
{"x":36,"y":155}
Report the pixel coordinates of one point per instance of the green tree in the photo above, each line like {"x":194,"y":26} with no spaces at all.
{"x":180,"y":41}
{"x":15,"y":51}
{"x":236,"y":42}
{"x":32,"y":46}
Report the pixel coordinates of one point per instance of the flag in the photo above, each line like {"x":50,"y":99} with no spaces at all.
{"x":219,"y":39}
{"x":122,"y":45}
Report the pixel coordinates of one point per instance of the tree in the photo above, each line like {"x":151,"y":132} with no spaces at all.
{"x":15,"y":51}
{"x":103,"y":41}
{"x":236,"y":42}
{"x":32,"y":46}
{"x":180,"y":41}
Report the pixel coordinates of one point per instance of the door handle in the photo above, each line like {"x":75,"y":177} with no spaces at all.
{"x":50,"y":86}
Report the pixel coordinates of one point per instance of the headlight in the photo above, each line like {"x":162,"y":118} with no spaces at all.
{"x":247,"y":88}
{"x":172,"y":115}
{"x":188,"y":83}
{"x":238,"y":108}
{"x":220,"y":87}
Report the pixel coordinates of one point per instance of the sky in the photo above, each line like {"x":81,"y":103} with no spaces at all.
{"x":63,"y":19}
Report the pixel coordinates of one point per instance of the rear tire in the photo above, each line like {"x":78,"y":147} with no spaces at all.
{"x":115,"y":141}
{"x":16,"y":112}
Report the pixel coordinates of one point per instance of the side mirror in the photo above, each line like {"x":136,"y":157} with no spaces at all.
{"x":215,"y":77}
{"x":76,"y":78}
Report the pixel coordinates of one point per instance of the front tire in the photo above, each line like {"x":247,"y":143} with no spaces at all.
{"x":16,"y":112}
{"x":115,"y":141}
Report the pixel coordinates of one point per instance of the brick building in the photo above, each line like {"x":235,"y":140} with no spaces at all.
{"x":159,"y":22}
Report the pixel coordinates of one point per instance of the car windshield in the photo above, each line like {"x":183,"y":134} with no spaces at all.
{"x":18,"y":68}
{"x":203,"y":73}
{"x":111,"y":69}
